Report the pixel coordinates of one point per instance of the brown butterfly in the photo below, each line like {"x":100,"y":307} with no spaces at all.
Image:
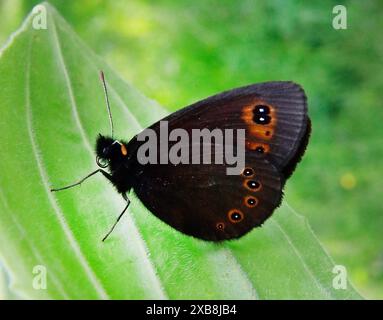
{"x":201,"y":200}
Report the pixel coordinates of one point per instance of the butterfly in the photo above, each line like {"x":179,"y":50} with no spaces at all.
{"x":201,"y":200}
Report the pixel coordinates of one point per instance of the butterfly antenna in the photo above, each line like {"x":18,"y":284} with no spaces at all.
{"x":107,"y":101}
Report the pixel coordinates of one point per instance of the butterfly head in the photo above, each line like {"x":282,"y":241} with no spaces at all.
{"x":109,"y":150}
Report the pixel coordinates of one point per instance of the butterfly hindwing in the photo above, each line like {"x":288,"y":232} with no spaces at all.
{"x":200,"y":200}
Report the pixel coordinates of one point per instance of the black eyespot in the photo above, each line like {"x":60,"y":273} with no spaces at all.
{"x":261,"y":119}
{"x":235,"y":216}
{"x":248,"y":172}
{"x":261,"y":109}
{"x":252,"y":184}
{"x":260,"y":149}
{"x":251,"y":201}
{"x":261,"y":114}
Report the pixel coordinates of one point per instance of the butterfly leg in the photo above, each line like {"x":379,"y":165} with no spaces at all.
{"x":119,"y":217}
{"x":105,"y":174}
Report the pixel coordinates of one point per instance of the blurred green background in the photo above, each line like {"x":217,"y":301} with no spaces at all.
{"x":177,"y":52}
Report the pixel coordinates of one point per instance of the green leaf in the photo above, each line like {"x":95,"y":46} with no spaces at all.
{"x":52,"y":109}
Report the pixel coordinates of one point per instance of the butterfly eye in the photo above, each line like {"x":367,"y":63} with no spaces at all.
{"x":235,"y":216}
{"x":248,"y":172}
{"x":252,"y":185}
{"x":102,"y":163}
{"x":251,"y":201}
{"x":220,"y":226}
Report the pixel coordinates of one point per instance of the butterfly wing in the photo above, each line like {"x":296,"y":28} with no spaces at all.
{"x":274,"y":115}
{"x":205,"y":202}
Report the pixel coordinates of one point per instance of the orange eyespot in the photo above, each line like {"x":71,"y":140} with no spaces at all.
{"x":252,"y":185}
{"x":235,"y":216}
{"x":220,"y":226}
{"x":124,"y":151}
{"x":251,"y":201}
{"x":248,"y":172}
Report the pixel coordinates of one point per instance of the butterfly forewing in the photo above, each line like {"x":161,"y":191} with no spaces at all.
{"x":274,"y":115}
